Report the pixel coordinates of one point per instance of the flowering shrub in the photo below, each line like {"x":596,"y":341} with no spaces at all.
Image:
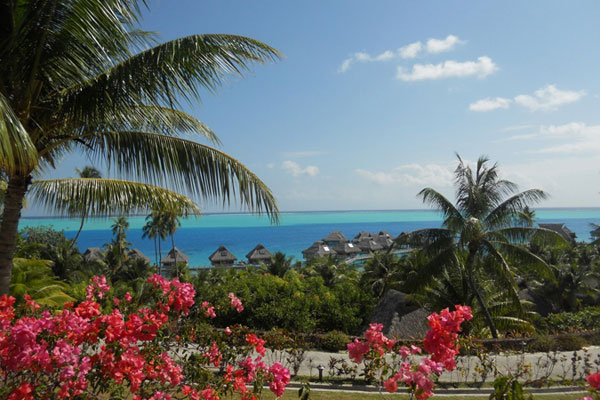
{"x":441,"y":342}
{"x":594,"y":381}
{"x":112,"y":347}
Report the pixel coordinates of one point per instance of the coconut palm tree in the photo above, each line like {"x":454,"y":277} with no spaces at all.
{"x":80,"y":75}
{"x":152,"y":231}
{"x":88,"y":172}
{"x":484,"y":232}
{"x":280,"y":264}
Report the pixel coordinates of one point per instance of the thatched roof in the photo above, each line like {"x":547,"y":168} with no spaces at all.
{"x":595,"y":232}
{"x":258,"y":254}
{"x":93,"y":254}
{"x":400,"y":317}
{"x":367,"y":244}
{"x":318,"y":249}
{"x":222,"y":256}
{"x":335,"y":236}
{"x":561,"y":229}
{"x":362,"y":236}
{"x":346,"y":248}
{"x":170,"y":257}
{"x":136,"y":253}
{"x":384,"y":239}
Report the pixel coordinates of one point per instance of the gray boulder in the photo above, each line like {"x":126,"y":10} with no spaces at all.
{"x":401,"y":318}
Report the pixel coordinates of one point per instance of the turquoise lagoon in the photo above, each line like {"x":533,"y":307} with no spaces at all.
{"x":198,"y":237}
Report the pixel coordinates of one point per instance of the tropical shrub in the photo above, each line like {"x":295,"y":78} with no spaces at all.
{"x":123,"y":347}
{"x":587,"y":319}
{"x":391,"y":368}
{"x":334,"y":341}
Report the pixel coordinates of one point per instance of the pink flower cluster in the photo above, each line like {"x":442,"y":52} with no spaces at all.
{"x":440,"y":343}
{"x":80,"y":351}
{"x":236,"y":303}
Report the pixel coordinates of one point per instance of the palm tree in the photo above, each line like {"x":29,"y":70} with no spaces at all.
{"x":117,"y":249}
{"x":34,"y":277}
{"x":483,"y":231}
{"x":80,"y":75}
{"x":151,"y":231}
{"x":383,"y":272}
{"x":280,"y":264}
{"x":170,"y":222}
{"x":88,"y":172}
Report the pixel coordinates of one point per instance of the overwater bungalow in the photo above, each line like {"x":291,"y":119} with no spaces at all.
{"x":222,"y":257}
{"x":334,"y":238}
{"x":136,"y":253}
{"x":318,"y":249}
{"x":562,"y":230}
{"x":346,"y":249}
{"x":259,"y":255}
{"x":174,"y":257}
{"x":384,"y":239}
{"x":93,"y":254}
{"x":367,"y":244}
{"x":362,"y":236}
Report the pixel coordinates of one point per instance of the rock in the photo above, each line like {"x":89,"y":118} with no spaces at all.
{"x":401,"y":318}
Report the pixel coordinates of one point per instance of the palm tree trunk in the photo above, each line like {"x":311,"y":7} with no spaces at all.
{"x":159,"y":257}
{"x":484,"y":309}
{"x":13,"y":203}
{"x":175,"y":255}
{"x":156,"y":260}
{"x":79,"y":231}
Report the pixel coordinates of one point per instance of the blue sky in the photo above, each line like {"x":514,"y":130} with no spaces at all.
{"x":373,"y":98}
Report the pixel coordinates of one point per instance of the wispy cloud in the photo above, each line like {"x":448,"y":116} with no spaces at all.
{"x":490,"y":104}
{"x":546,"y":98}
{"x":481,"y":68}
{"x":442,"y":45}
{"x":411,"y":175}
{"x":296,"y":170}
{"x":300,"y":154}
{"x":571,"y":138}
{"x":409,"y":51}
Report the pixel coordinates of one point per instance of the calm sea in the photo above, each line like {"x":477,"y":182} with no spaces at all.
{"x":200,"y":237}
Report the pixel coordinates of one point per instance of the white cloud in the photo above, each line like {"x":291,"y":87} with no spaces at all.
{"x":412,"y":175}
{"x":410,"y":50}
{"x":481,"y":68}
{"x":270,"y":165}
{"x":571,"y":138}
{"x":299,"y":154}
{"x":442,"y":45}
{"x":548,"y":98}
{"x":295,"y":169}
{"x":489,"y":104}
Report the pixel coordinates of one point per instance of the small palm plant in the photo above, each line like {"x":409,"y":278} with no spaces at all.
{"x":483,"y":233}
{"x":35,"y":278}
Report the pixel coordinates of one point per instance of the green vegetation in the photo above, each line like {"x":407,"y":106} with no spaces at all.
{"x":81,"y":75}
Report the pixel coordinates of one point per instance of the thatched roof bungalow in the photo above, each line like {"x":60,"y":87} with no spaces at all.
{"x":346,"y":249}
{"x":173,"y":257}
{"x":562,"y":230}
{"x":93,"y":254}
{"x":335,"y":237}
{"x":136,"y":253}
{"x":222,"y":256}
{"x":384,"y":239}
{"x":259,"y":255}
{"x":318,"y":249}
{"x":367,"y":245}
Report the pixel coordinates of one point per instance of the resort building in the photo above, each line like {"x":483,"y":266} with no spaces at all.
{"x":334,"y":238}
{"x":562,"y":230}
{"x":174,"y":257}
{"x":222,"y":257}
{"x":346,"y":250}
{"x":137,"y":254}
{"x":362,"y":236}
{"x":259,"y":255}
{"x":367,"y":244}
{"x":92,"y":254}
{"x":318,"y":249}
{"x":384,"y":239}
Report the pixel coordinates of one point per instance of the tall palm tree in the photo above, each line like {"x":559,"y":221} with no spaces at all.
{"x":151,"y":231}
{"x":88,"y":172}
{"x":117,"y":249}
{"x":170,"y":222}
{"x":483,"y":231}
{"x":80,"y":75}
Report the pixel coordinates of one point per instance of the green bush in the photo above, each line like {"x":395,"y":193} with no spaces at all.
{"x":587,"y":319}
{"x":543,"y":344}
{"x":334,"y":341}
{"x":570,"y":343}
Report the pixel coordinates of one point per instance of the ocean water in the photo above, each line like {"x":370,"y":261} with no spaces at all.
{"x":199,"y":237}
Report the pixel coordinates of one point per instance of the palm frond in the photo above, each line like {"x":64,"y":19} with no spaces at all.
{"x":524,"y":260}
{"x":183,"y":165}
{"x":452,"y":217}
{"x":166,"y":73}
{"x":18,"y":155}
{"x":502,"y":271}
{"x":506,"y":210}
{"x":102,"y":197}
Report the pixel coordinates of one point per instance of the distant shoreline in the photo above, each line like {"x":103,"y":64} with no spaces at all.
{"x":303,"y":212}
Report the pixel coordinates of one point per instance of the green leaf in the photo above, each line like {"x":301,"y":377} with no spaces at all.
{"x":18,"y":155}
{"x":102,"y":197}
